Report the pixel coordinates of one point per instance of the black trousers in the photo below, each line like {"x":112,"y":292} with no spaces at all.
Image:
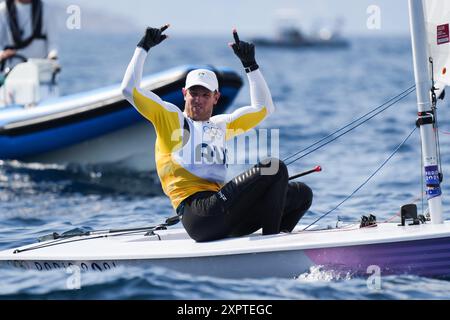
{"x":249,"y":202}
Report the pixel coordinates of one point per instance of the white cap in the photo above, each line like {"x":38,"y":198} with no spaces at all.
{"x":202,"y":77}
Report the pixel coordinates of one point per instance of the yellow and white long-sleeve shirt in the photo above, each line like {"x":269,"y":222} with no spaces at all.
{"x":191,"y":155}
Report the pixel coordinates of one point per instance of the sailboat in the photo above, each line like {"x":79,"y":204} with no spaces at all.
{"x":416,"y":246}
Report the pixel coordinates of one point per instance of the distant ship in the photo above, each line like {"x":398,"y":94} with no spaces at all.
{"x":289,"y":35}
{"x":294,"y":38}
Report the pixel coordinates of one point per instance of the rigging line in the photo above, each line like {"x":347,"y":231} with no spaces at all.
{"x":422,"y":188}
{"x":347,"y":131}
{"x":351,"y":123}
{"x":367,"y":180}
{"x":52,"y":244}
{"x":444,"y":132}
{"x":83,"y":238}
{"x":438,"y":144}
{"x":436,"y":124}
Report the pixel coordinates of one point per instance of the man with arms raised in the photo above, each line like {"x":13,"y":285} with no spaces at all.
{"x":191,"y":153}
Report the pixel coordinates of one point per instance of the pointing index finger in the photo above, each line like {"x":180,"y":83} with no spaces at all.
{"x":164,"y":27}
{"x":235,"y":36}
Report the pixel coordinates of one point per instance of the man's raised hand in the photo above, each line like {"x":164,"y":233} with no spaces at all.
{"x":245,"y":51}
{"x":153,"y":37}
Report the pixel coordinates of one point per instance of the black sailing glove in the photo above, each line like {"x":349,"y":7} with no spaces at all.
{"x":153,"y":37}
{"x":245,"y":52}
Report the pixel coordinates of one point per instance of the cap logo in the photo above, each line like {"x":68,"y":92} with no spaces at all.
{"x":203,"y":78}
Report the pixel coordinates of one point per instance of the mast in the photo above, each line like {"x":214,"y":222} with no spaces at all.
{"x":424,"y":104}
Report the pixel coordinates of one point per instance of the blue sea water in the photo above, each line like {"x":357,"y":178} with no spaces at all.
{"x":315,"y":92}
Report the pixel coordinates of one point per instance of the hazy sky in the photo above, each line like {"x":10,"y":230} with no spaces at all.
{"x":252,"y":16}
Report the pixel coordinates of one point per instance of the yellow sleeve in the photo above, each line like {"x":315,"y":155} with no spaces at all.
{"x":167,"y":122}
{"x":166,"y":117}
{"x":246,"y":118}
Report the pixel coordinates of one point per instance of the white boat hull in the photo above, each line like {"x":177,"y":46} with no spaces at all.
{"x":419,"y":250}
{"x":131,"y":148}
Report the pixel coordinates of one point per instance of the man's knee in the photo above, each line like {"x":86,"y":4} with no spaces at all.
{"x":304,"y":194}
{"x":309,"y":195}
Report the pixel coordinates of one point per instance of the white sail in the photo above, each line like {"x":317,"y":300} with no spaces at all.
{"x":437,"y":19}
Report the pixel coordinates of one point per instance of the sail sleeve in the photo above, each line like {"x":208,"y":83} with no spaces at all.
{"x":437,"y":20}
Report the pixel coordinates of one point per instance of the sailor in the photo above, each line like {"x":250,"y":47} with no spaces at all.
{"x":191,"y":153}
{"x":26,"y":29}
